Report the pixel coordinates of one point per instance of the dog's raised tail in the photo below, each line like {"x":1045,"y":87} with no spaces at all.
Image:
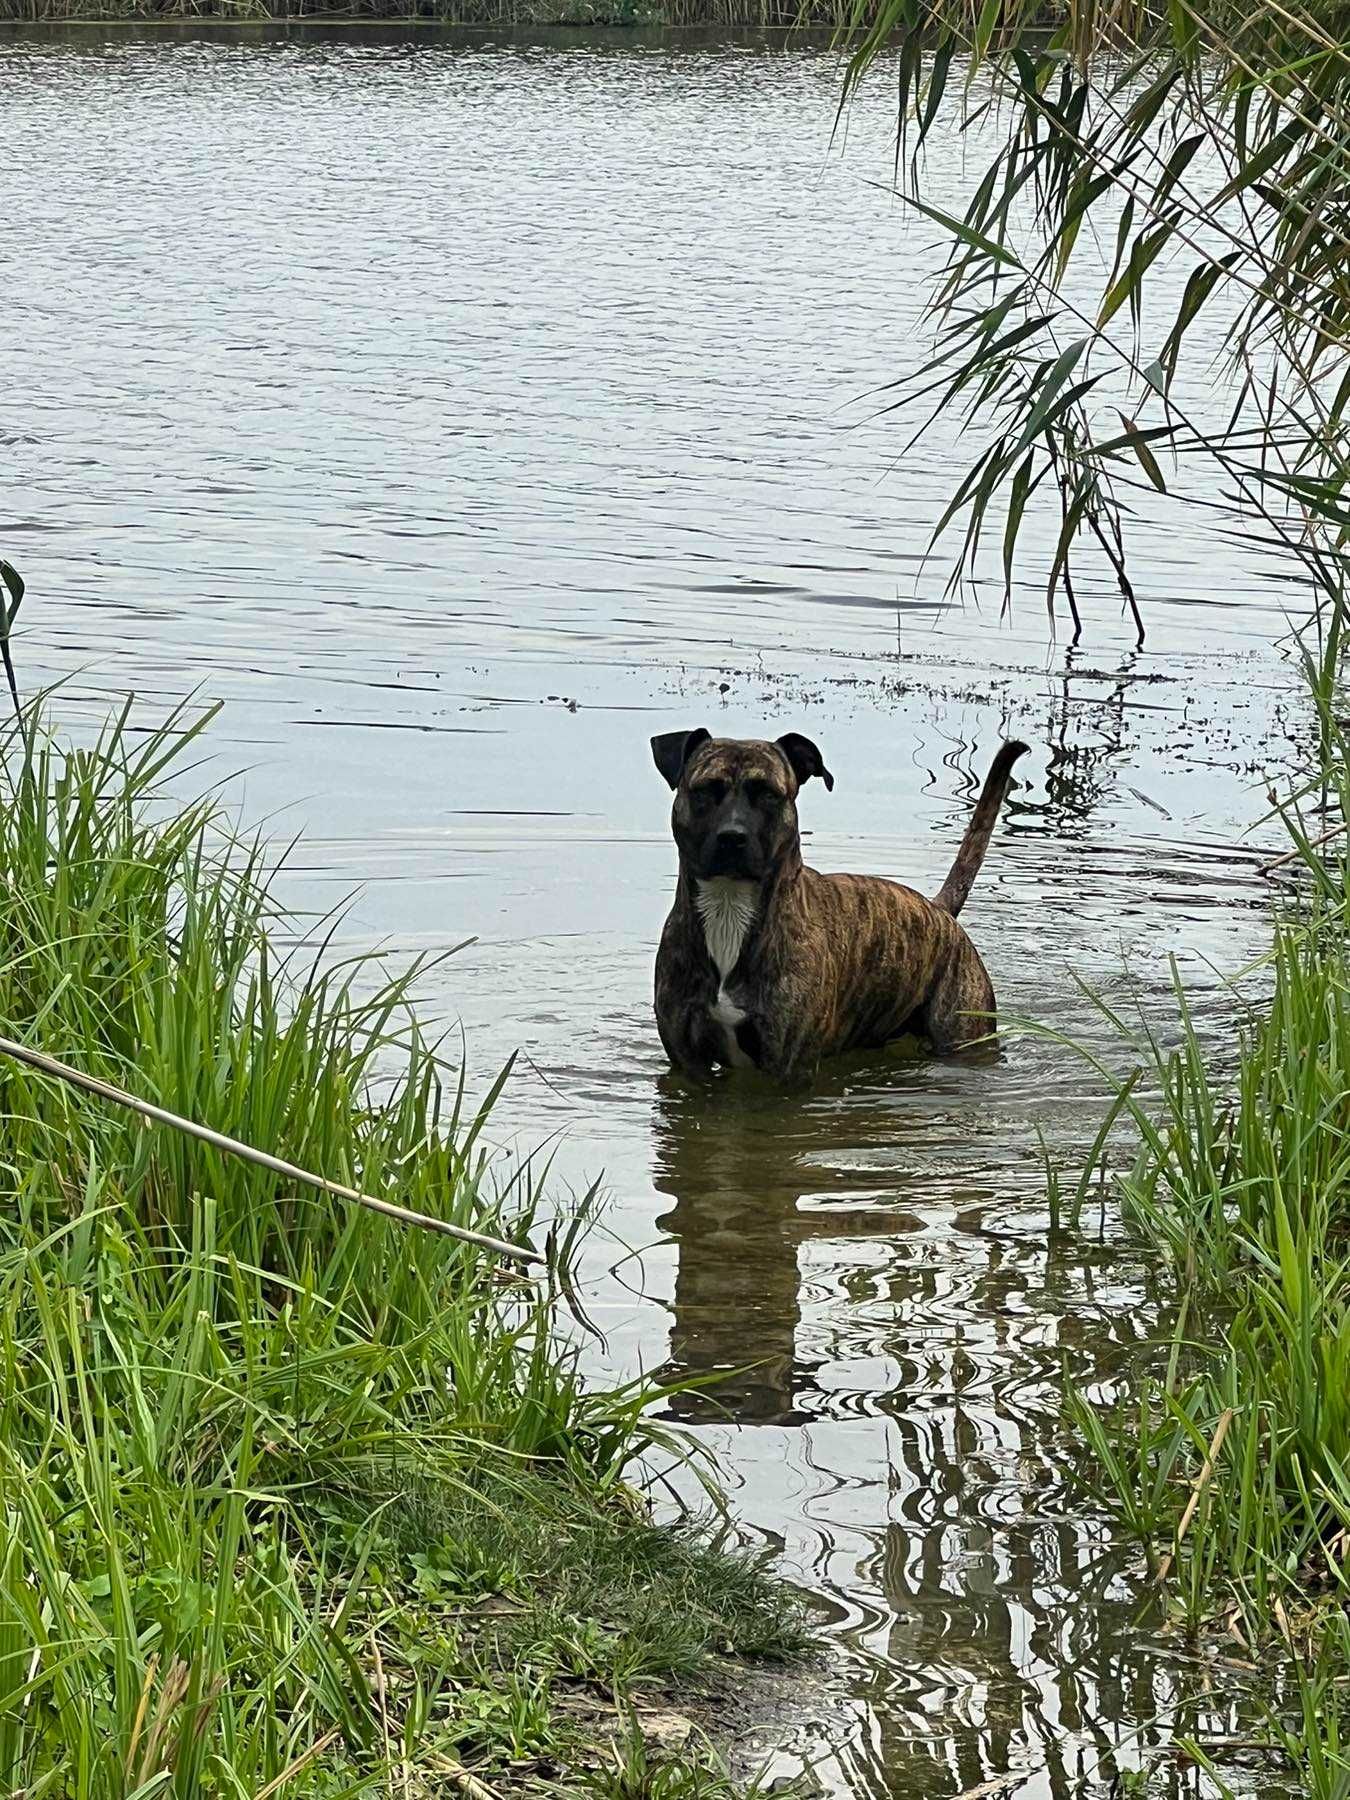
{"x":953,"y":893}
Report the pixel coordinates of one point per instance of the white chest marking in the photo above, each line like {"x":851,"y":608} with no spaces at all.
{"x":727,"y":909}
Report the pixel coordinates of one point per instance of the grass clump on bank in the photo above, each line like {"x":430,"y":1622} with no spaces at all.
{"x":1229,"y":1457}
{"x":1245,"y":1187}
{"x":292,"y":1499}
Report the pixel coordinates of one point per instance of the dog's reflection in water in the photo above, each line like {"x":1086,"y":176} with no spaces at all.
{"x":754,"y":1174}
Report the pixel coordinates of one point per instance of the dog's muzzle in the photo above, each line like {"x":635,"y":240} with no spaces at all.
{"x":731,"y":853}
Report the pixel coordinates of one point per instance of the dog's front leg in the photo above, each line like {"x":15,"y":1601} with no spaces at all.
{"x":690,"y":1040}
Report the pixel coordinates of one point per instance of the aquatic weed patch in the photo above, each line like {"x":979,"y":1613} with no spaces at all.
{"x":281,"y":1480}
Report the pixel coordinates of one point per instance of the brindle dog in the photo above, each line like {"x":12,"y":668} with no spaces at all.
{"x":763,"y":962}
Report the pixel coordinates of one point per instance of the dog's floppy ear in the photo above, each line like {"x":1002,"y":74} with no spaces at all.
{"x":672,"y":750}
{"x":805,"y":759}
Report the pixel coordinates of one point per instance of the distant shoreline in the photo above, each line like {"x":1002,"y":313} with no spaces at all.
{"x":786,"y":22}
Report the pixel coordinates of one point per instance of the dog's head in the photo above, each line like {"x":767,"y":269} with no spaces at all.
{"x":735,"y":810}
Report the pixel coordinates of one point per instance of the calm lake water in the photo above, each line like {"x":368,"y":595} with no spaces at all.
{"x":461,"y":411}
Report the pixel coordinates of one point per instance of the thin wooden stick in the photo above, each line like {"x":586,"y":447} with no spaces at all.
{"x":468,"y":1783}
{"x":1316,"y":844}
{"x":1198,"y":1487}
{"x":104,"y":1090}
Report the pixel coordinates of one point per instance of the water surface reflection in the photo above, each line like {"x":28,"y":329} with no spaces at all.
{"x":870,"y":1279}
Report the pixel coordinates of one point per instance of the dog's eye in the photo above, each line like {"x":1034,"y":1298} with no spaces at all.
{"x":759,"y":793}
{"x":708,"y":793}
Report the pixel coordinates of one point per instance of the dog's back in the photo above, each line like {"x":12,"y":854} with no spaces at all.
{"x":869,"y":960}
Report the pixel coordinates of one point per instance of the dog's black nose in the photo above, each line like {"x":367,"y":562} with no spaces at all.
{"x":730,"y":843}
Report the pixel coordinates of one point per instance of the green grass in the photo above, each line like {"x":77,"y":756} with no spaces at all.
{"x":292,"y":1499}
{"x":1227,"y":1452}
{"x":1244,"y":1182}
